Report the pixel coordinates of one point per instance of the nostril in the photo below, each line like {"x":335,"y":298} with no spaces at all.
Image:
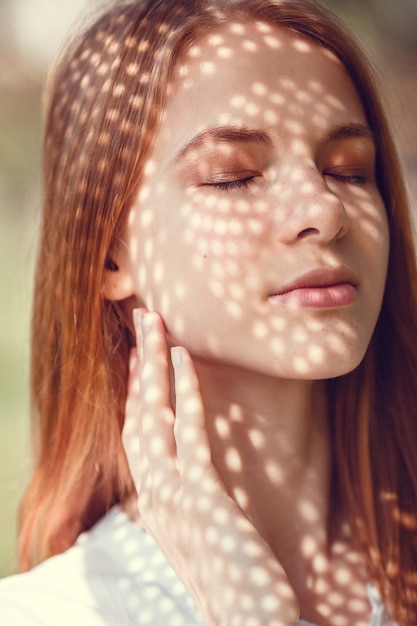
{"x":307,"y":231}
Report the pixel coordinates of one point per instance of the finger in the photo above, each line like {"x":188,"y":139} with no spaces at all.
{"x":156,"y":414}
{"x":130,"y":433}
{"x":133,"y":393}
{"x":193,"y":447}
{"x":133,"y":386}
{"x":137,"y":322}
{"x":150,"y":333}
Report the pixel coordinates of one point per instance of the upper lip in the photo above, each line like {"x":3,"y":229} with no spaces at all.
{"x":320,"y":277}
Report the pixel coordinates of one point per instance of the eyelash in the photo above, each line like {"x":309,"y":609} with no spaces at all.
{"x":349,"y":179}
{"x":230,"y":185}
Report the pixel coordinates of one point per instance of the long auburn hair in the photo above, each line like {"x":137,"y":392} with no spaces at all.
{"x":104,"y":104}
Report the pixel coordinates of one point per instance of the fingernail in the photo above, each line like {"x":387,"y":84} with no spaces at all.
{"x":176,"y":356}
{"x":147,"y":322}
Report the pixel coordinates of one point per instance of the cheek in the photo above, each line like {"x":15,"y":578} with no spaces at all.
{"x":222,"y":240}
{"x":369,"y":222}
{"x":144,"y":241}
{"x":221,"y":231}
{"x":379,"y":235}
{"x":201,"y":252}
{"x":369,"y":211}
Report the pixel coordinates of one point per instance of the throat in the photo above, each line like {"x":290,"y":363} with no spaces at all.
{"x":271,"y":449}
{"x":270,"y":444}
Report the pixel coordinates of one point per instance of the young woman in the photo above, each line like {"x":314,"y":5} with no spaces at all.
{"x":222,"y":174}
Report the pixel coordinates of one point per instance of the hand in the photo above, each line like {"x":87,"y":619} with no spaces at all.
{"x":227,"y":567}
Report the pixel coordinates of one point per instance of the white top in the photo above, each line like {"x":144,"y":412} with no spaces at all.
{"x":115,"y":575}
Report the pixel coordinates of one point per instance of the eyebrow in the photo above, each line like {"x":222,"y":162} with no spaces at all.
{"x":220,"y":134}
{"x":347,"y":131}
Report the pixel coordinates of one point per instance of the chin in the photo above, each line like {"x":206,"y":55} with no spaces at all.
{"x":319,"y":363}
{"x":334,"y":371}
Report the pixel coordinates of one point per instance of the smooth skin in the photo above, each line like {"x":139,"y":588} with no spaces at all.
{"x":231,"y":571}
{"x":233,"y":471}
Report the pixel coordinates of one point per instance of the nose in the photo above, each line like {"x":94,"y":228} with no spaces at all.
{"x":307,"y":208}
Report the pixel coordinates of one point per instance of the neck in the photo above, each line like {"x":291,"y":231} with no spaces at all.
{"x":269,"y":443}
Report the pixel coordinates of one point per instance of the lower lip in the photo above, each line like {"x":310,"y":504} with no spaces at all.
{"x":330,"y":297}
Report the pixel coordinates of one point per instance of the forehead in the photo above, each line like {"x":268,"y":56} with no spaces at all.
{"x":248,"y":42}
{"x":256,"y":74}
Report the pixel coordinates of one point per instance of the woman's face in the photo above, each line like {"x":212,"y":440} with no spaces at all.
{"x":259,"y":233}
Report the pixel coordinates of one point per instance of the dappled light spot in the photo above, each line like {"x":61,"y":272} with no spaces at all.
{"x":295,"y":128}
{"x":334,"y":103}
{"x":149,"y":250}
{"x":118,"y":90}
{"x":180,"y":291}
{"x":158,"y":273}
{"x":165,"y":303}
{"x":309,"y":512}
{"x":135,"y":101}
{"x":251,"y":109}
{"x":132,"y":69}
{"x":277,"y":99}
{"x":274,"y":471}
{"x":104,"y":138}
{"x":106,"y":86}
{"x":272,"y":42}
{"x":278,"y":346}
{"x":207,"y":68}
{"x":95,"y":60}
{"x":216,"y":40}
{"x":112,"y":115}
{"x":144,"y":78}
{"x":301,"y":364}
{"x":178,"y":325}
{"x":259,"y":89}
{"x":237,"y":28}
{"x":234,"y":309}
{"x":278,"y":324}
{"x":111,"y":45}
{"x":321,"y":565}
{"x":316,"y":354}
{"x":233,"y":459}
{"x":302,"y":45}
{"x":194,"y":51}
{"x":343,"y":576}
{"x":162,"y":27}
{"x":249,"y":46}
{"x":237,"y":291}
{"x":303,"y":96}
{"x":85,"y":81}
{"x":260,"y":329}
{"x":238,"y":101}
{"x":222,"y":426}
{"x":308,"y":547}
{"x":270,"y":116}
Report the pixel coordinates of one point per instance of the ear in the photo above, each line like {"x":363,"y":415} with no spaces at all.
{"x":117,"y":281}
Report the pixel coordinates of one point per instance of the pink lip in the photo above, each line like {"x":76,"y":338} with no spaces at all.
{"x":320,"y":288}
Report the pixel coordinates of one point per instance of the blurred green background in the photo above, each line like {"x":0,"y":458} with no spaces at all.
{"x":30,"y":34}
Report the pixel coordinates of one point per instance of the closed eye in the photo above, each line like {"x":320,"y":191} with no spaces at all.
{"x":231,"y":185}
{"x":348,"y":175}
{"x":353,"y":179}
